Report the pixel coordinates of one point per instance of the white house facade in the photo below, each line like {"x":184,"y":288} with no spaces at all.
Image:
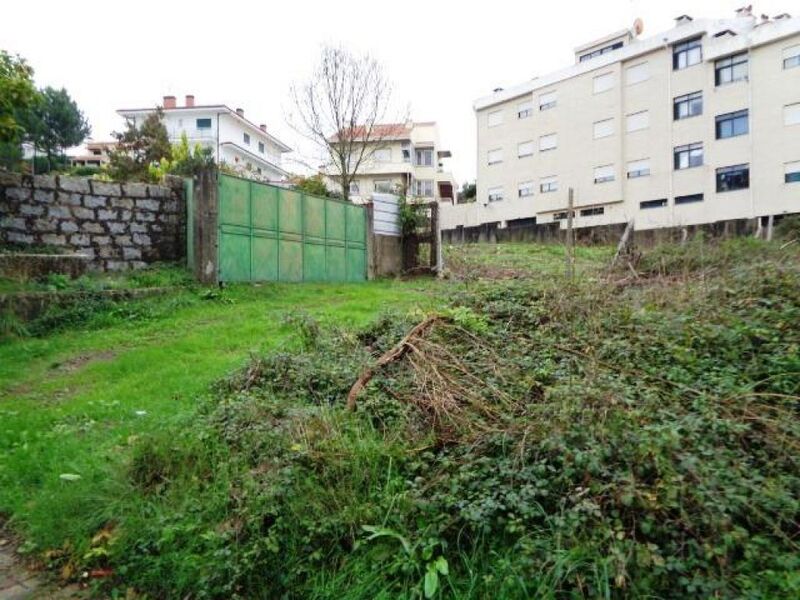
{"x":695,"y":125}
{"x":236,"y":141}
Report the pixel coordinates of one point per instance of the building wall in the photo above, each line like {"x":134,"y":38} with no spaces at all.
{"x":766,"y":148}
{"x":118,"y":226}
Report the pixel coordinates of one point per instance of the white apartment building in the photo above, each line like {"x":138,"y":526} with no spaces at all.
{"x":695,"y":125}
{"x":236,"y":141}
{"x":407,"y":159}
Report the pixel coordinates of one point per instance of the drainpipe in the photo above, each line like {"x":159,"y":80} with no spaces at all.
{"x":671,"y":155}
{"x":750,"y":125}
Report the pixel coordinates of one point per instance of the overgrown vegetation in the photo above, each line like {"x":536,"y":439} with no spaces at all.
{"x":633,"y":439}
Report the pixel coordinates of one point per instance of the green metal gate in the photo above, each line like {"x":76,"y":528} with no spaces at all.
{"x":267,"y":233}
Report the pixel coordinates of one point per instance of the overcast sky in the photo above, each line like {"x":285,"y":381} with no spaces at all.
{"x":441,"y":55}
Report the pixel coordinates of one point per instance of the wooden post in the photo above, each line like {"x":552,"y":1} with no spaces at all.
{"x":436,"y":239}
{"x":205,"y":226}
{"x":623,"y":243}
{"x":371,"y":241}
{"x":570,"y":270}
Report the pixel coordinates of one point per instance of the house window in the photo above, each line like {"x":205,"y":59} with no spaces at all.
{"x":525,"y":149}
{"x":424,"y":157}
{"x":548,"y":184}
{"x":604,"y":128}
{"x":246,"y":138}
{"x":603,"y":83}
{"x":792,"y":172}
{"x":690,"y":105}
{"x":733,"y":178}
{"x":591,"y":212}
{"x":495,"y":156}
{"x":600,"y":51}
{"x":495,"y":118}
{"x":525,"y":109}
{"x":637,"y":121}
{"x":525,"y":189}
{"x":423,"y":188}
{"x":639,"y":168}
{"x":791,"y":57}
{"x":791,"y":114}
{"x":203,"y":123}
{"x":406,"y":155}
{"x":731,"y":69}
{"x":258,"y":170}
{"x":354,"y":189}
{"x":732,"y":124}
{"x":687,"y":53}
{"x":548,"y":142}
{"x":495,"y":194}
{"x":637,"y":73}
{"x":688,"y":199}
{"x":688,"y":156}
{"x":382,"y":155}
{"x":384,"y":186}
{"x":645,"y":204}
{"x":261,"y":147}
{"x":604,"y":174}
{"x":547,"y":100}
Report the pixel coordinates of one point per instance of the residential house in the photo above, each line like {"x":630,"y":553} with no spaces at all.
{"x":236,"y":141}
{"x":91,"y":154}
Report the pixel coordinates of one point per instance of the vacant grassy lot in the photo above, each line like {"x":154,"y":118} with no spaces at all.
{"x":73,"y":402}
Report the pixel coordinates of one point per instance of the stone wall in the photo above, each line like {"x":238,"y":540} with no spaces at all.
{"x":118,"y":226}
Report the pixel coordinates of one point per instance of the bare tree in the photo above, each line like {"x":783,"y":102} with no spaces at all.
{"x":342,"y":110}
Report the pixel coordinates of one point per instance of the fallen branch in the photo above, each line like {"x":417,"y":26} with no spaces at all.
{"x":397,"y":351}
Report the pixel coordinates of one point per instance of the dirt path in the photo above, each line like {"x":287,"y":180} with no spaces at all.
{"x":19,"y":583}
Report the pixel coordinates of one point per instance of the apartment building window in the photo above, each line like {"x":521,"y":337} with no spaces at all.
{"x":261,"y":147}
{"x":525,"y":109}
{"x":792,"y":172}
{"x":384,"y":186}
{"x":604,"y":128}
{"x":690,"y":105}
{"x":732,"y":124}
{"x":495,"y":193}
{"x":548,"y":184}
{"x":382,"y":155}
{"x":791,"y":57}
{"x":548,"y":100}
{"x":637,"y":73}
{"x":688,"y":199}
{"x":246,"y":139}
{"x":423,"y":188}
{"x":548,"y":142}
{"x":639,"y":168}
{"x":561,"y":216}
{"x":733,"y":178}
{"x":495,"y":156}
{"x":731,"y":69}
{"x":424,"y":157}
{"x":525,"y":189}
{"x":353,"y":187}
{"x":495,"y":118}
{"x":637,"y":121}
{"x":203,"y":123}
{"x":604,"y":174}
{"x":406,"y":154}
{"x":688,"y":156}
{"x":600,"y":51}
{"x":592,"y":212}
{"x":687,"y":53}
{"x":603,"y":83}
{"x":525,"y":149}
{"x":791,"y":114}
{"x":659,"y":203}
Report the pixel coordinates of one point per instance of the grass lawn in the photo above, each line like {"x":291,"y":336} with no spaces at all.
{"x":72,"y":403}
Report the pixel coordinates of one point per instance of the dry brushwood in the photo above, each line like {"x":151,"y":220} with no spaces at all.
{"x":397,"y":351}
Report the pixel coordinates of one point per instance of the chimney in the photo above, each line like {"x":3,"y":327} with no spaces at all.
{"x":169,"y":102}
{"x":240,"y":112}
{"x":745,"y":11}
{"x":189,"y":100}
{"x":263,"y":127}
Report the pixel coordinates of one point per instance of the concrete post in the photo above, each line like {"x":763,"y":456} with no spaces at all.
{"x":372,"y":267}
{"x":206,"y":225}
